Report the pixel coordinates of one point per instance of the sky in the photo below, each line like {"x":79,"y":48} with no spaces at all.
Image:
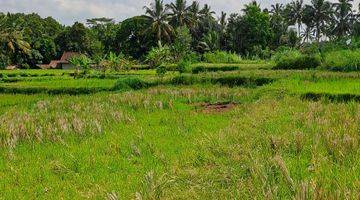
{"x":69,"y":11}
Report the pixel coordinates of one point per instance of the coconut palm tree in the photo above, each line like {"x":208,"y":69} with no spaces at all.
{"x":194,"y":10}
{"x":308,"y":33}
{"x":11,"y":37}
{"x":158,"y":15}
{"x":296,"y":13}
{"x":210,"y":42}
{"x":277,"y":9}
{"x":180,"y":13}
{"x":278,"y":22}
{"x":321,"y":11}
{"x":223,"y":25}
{"x":206,"y":12}
{"x":344,"y":17}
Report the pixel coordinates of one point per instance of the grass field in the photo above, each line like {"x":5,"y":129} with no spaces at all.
{"x":242,"y":134}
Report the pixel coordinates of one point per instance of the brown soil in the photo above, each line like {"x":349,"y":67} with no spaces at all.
{"x":214,"y":108}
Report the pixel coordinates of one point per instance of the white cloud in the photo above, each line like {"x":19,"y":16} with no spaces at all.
{"x":69,"y":11}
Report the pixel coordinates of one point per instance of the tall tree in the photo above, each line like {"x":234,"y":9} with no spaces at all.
{"x":78,"y":38}
{"x":104,"y":29}
{"x":321,"y":11}
{"x":12,"y":41}
{"x":223,"y":23}
{"x":250,"y":31}
{"x":180,"y":14}
{"x":344,"y":18}
{"x":132,"y":37}
{"x":158,"y":15}
{"x":278,"y":24}
{"x":308,"y":33}
{"x":296,"y":13}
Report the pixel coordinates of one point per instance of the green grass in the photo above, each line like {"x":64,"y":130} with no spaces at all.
{"x":330,"y":86}
{"x":158,"y":142}
{"x":342,"y":60}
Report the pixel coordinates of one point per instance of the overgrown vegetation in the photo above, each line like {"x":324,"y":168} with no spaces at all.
{"x":175,"y":104}
{"x":342,"y":60}
{"x":221,"y":57}
{"x":184,"y":32}
{"x":142,"y":126}
{"x":293,"y":59}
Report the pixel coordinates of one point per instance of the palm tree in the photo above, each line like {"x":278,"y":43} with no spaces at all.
{"x":278,"y":23}
{"x":307,"y":19}
{"x":207,"y":19}
{"x":223,"y":25}
{"x":206,"y":12}
{"x":12,"y":38}
{"x":210,"y":42}
{"x":222,"y":22}
{"x":344,"y":17}
{"x":158,"y":14}
{"x":321,"y":11}
{"x":277,"y":9}
{"x":180,"y":13}
{"x":296,"y":13}
{"x":194,"y":10}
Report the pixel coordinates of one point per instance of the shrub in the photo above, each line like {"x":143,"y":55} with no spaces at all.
{"x":158,"y":56}
{"x":183,"y":66}
{"x":221,"y":57}
{"x":4,"y":77}
{"x":184,"y":80}
{"x":343,"y":60}
{"x":182,"y":44}
{"x":293,"y":59}
{"x":130,"y":83}
{"x":81,"y":62}
{"x":161,"y":70}
{"x":4,"y":61}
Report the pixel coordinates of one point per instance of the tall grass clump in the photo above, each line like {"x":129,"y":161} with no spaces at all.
{"x":221,"y":57}
{"x":294,"y":59}
{"x":130,"y":83}
{"x":342,"y":60}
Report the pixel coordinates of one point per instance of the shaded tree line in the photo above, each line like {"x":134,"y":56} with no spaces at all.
{"x":27,"y":40}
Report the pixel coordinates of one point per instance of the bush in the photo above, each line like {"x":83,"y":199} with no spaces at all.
{"x":4,"y":61}
{"x":293,"y":59}
{"x":158,"y":56}
{"x":183,"y":66}
{"x":161,"y":71}
{"x":221,"y":57}
{"x":343,"y":60}
{"x":182,"y":44}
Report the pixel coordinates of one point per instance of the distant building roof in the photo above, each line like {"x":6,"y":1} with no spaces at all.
{"x":63,"y":60}
{"x":11,"y":67}
{"x":68,"y":55}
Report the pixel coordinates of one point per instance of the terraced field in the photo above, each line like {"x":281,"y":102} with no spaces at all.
{"x":246,"y":133}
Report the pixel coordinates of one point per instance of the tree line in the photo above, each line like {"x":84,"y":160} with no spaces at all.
{"x":28,"y":39}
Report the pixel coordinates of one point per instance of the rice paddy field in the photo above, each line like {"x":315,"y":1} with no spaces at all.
{"x":246,"y":133}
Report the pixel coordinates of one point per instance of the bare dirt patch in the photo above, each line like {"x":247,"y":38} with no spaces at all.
{"x":219,"y":107}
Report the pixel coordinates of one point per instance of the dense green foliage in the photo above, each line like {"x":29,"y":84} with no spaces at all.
{"x":221,"y":57}
{"x":188,"y":30}
{"x":342,"y":60}
{"x":293,"y":59}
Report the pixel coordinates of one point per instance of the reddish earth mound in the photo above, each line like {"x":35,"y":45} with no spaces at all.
{"x":214,"y":107}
